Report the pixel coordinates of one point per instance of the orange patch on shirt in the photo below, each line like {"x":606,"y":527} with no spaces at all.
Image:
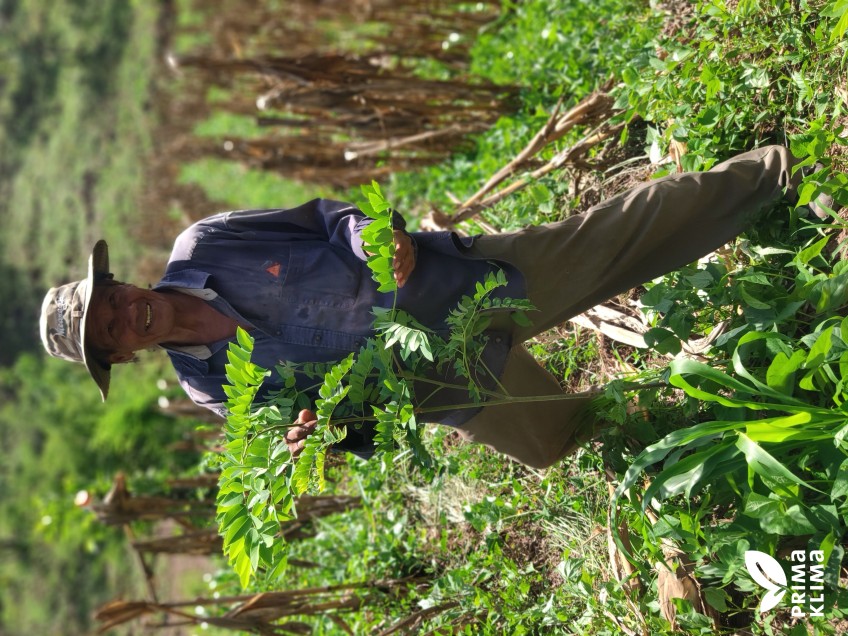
{"x":274,"y":270}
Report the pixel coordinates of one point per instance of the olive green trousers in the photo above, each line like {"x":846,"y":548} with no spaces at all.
{"x":575,"y":264}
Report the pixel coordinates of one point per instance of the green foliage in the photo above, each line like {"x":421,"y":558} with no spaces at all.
{"x":550,"y":49}
{"x":244,"y":188}
{"x":377,"y":237}
{"x":838,"y":10}
{"x":561,"y":45}
{"x":260,"y":480}
{"x":769,"y":439}
{"x":734,"y":75}
{"x":470,"y":319}
{"x":760,"y":466}
{"x":58,"y":562}
{"x":251,"y":500}
{"x":74,"y":127}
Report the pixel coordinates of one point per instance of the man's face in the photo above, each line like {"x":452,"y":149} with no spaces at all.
{"x":124,"y":318}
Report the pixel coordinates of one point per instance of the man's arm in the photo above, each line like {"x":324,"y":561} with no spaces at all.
{"x":296,"y":437}
{"x":404,"y":259}
{"x":338,"y":223}
{"x":207,"y":391}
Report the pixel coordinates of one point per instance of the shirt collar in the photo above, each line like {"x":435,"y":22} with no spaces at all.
{"x":193,"y":283}
{"x":184,"y":279}
{"x":201,"y":352}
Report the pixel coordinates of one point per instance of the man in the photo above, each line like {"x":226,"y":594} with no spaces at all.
{"x":297,"y":281}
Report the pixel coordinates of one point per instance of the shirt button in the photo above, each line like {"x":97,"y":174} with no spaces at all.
{"x":316,"y":339}
{"x":498,"y":339}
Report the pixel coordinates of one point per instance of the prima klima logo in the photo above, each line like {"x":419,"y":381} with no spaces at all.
{"x":805,"y":589}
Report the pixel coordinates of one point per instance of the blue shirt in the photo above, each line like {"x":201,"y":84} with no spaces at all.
{"x":298,"y":277}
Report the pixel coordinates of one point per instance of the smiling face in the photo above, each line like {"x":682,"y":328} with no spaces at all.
{"x":123,"y":319}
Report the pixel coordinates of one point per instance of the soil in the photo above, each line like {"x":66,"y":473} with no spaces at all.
{"x":526,"y":544}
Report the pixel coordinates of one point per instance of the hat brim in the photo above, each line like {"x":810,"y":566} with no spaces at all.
{"x":98,"y":269}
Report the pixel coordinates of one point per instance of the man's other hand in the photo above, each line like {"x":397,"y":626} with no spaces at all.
{"x":304,"y":426}
{"x":404,"y":260}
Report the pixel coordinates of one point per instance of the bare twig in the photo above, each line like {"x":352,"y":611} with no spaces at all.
{"x":619,"y":623}
{"x":569,"y":155}
{"x":415,"y":619}
{"x":365,"y":149}
{"x":539,"y":141}
{"x":596,"y":106}
{"x":338,"y":620}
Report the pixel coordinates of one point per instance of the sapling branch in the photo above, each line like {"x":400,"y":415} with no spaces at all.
{"x":482,"y":363}
{"x":447,"y":385}
{"x":505,"y":399}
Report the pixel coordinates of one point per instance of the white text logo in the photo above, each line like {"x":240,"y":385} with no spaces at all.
{"x":807,"y":584}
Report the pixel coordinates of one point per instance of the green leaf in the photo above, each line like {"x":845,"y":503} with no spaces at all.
{"x":840,"y":28}
{"x":241,"y":564}
{"x":774,"y":474}
{"x":663,"y":341}
{"x":716,"y":597}
{"x":682,"y":438}
{"x":521,"y":319}
{"x":798,"y":427}
{"x":759,"y":506}
{"x":280,"y":564}
{"x":659,"y":297}
{"x":781,"y":372}
{"x":235,"y":375}
{"x":237,"y":528}
{"x":702,"y":279}
{"x":840,"y":482}
{"x":809,"y":253}
{"x":236,"y":355}
{"x":225,"y":503}
{"x":244,"y":339}
{"x":750,"y":300}
{"x":820,"y":349}
{"x":806,"y":191}
{"x":684,"y":475}
{"x":830,"y":293}
{"x":681,"y":368}
{"x":791,"y":521}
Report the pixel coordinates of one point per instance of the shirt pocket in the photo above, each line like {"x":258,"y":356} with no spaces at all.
{"x":322,"y":275}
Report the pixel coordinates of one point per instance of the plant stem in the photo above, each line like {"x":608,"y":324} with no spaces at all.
{"x":506,"y":399}
{"x":445,"y":385}
{"x":492,"y":375}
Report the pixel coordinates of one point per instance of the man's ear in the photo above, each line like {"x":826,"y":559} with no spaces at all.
{"x":120,"y":358}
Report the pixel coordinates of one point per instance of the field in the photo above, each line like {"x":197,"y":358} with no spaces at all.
{"x":736,"y":444}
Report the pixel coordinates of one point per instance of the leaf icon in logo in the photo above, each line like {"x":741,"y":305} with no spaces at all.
{"x":766,"y":571}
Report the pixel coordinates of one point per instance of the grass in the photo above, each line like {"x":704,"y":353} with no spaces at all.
{"x":247,"y":188}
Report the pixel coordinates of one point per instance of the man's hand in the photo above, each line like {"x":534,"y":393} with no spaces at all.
{"x":296,"y":436}
{"x":404,"y":260}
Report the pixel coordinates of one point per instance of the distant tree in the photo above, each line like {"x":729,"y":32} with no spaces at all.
{"x":33,"y":86}
{"x":8,"y":8}
{"x":19,"y":319}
